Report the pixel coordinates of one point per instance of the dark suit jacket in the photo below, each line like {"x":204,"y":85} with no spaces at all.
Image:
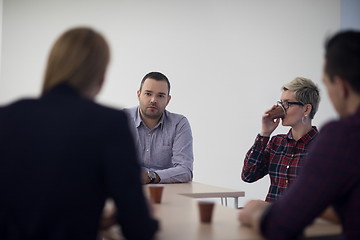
{"x":61,"y":156}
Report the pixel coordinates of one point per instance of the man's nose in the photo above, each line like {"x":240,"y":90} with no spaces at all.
{"x":153,"y":99}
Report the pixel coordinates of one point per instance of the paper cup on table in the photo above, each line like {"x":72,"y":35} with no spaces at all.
{"x":156,"y":191}
{"x":277,"y":112}
{"x":205,"y":210}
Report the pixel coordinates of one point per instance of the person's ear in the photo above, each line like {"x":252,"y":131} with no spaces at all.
{"x":168,"y":99}
{"x":138,"y":94}
{"x":308,"y":108}
{"x":342,"y":86}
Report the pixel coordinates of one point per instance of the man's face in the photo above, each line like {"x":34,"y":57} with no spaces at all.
{"x":153,"y":98}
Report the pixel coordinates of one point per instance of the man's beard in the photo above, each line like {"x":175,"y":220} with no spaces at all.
{"x":152,"y":115}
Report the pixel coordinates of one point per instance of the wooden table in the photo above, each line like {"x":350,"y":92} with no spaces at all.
{"x":179,"y":217}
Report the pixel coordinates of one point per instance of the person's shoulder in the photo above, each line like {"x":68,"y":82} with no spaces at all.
{"x":20,"y":103}
{"x":279,"y":137}
{"x":97,"y":113}
{"x":131,"y":111}
{"x":337,"y":138}
{"x":176,"y":118}
{"x":339,"y":131}
{"x":23,"y":101}
{"x":342,"y":127}
{"x":16,"y":110}
{"x":108,"y":110}
{"x":331,"y":124}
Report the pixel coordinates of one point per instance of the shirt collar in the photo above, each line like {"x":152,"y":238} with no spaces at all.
{"x":307,"y":137}
{"x":139,"y":121}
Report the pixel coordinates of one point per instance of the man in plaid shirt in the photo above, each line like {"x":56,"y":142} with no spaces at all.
{"x":330,"y":175}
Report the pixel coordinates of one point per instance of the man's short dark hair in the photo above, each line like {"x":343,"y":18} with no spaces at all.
{"x":343,"y":58}
{"x":156,"y":76}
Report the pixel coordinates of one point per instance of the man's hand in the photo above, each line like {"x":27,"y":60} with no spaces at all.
{"x":145,"y":177}
{"x":251,"y":214}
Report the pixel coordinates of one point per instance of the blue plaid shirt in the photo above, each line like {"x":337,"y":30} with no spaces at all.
{"x":281,"y":158}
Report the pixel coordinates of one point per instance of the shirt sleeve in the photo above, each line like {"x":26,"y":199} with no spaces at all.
{"x":322,"y":181}
{"x":256,"y":162}
{"x":123,"y":181}
{"x":182,"y":156}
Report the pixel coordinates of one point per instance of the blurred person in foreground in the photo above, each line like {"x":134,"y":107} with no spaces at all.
{"x":62,"y":155}
{"x":330,"y":177}
{"x":282,"y":156}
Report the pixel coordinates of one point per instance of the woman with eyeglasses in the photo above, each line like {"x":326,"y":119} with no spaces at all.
{"x":281,"y":156}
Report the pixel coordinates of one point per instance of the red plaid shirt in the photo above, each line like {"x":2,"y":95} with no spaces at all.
{"x":281,"y":158}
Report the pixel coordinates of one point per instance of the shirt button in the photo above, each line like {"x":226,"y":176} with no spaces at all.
{"x":287,"y":166}
{"x":292,"y":155}
{"x":147,"y":150}
{"x":287,"y":181}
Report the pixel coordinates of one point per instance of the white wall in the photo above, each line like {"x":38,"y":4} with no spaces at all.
{"x":226,"y":60}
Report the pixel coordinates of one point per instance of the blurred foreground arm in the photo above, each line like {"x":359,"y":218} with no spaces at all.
{"x":251,"y":214}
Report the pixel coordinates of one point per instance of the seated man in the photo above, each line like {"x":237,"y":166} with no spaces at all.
{"x":163,"y":139}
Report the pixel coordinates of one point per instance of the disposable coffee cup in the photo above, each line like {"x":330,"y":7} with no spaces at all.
{"x":277,"y":112}
{"x":156,"y":191}
{"x":206,"y":211}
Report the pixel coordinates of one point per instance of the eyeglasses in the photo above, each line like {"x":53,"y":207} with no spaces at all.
{"x":285,"y":104}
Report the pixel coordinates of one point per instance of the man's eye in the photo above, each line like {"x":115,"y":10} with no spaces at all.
{"x":148,"y":94}
{"x":161,"y":96}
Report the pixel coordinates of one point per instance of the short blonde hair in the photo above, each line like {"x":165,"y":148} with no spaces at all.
{"x":305,"y":91}
{"x":79,"y":57}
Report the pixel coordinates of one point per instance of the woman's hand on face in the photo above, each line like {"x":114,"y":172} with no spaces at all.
{"x":268,"y":125}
